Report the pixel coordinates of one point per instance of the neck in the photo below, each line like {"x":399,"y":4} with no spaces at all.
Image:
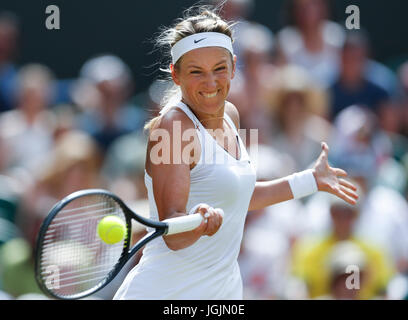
{"x":313,"y":38}
{"x":213,"y":123}
{"x":209,"y":121}
{"x":351,"y":82}
{"x":342,"y":236}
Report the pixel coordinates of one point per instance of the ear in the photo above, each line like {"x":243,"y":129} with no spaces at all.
{"x":174,"y":75}
{"x":234,"y":65}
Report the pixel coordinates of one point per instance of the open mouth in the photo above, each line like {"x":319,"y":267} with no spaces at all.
{"x":209,"y":94}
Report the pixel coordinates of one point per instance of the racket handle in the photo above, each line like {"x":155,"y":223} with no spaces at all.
{"x":183,"y":224}
{"x":186,"y":223}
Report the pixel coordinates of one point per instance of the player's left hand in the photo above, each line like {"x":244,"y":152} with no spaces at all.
{"x":331,"y":180}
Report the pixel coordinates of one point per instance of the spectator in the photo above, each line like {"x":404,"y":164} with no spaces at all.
{"x":239,"y":12}
{"x":269,"y":234}
{"x":311,"y":40}
{"x":296,"y":108}
{"x":27,"y":130}
{"x":123,"y":167}
{"x":251,"y":84}
{"x":73,"y":164}
{"x":352,"y":85}
{"x":312,"y":257}
{"x":364,"y":151}
{"x":111,"y":114}
{"x":403,"y":97}
{"x":347,"y":271}
{"x":358,"y":139}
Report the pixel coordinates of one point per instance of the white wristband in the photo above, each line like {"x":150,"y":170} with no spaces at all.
{"x":302,"y":184}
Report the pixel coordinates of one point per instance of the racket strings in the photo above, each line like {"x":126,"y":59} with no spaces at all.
{"x":74,"y":259}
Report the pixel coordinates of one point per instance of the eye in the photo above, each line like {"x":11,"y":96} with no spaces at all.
{"x":220,"y":68}
{"x":195,"y":72}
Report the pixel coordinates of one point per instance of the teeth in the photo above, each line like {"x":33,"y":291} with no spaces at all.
{"x":210,"y":95}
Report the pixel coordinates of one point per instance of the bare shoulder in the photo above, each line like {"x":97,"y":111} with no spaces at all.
{"x":168,"y":135}
{"x":233,"y":113}
{"x":168,"y":120}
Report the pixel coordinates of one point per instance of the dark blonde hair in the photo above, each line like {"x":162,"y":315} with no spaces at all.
{"x":194,"y":20}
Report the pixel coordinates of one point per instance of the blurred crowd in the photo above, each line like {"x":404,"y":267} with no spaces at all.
{"x":311,"y":81}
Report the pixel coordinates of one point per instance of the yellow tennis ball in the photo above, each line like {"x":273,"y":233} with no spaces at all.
{"x":111,"y":229}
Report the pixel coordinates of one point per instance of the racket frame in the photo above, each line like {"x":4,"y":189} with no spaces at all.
{"x":160,"y":228}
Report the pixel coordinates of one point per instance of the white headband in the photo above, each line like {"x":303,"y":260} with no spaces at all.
{"x":201,"y":40}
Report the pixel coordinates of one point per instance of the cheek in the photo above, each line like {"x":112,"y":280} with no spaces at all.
{"x":225,"y":80}
{"x":188,"y":84}
{"x":191,"y":87}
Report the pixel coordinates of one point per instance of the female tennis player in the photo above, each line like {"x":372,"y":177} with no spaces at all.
{"x":184,"y":173}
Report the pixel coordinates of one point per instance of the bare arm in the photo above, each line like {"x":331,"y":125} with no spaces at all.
{"x":267,"y":193}
{"x":328,"y":179}
{"x":171,"y":180}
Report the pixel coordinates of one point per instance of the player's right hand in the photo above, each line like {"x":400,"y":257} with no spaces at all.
{"x":213,"y":218}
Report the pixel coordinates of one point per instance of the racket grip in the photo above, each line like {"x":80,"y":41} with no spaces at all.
{"x":183,"y":224}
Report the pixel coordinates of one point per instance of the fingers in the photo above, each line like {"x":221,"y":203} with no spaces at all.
{"x":343,"y":189}
{"x":325,"y":150}
{"x":340,"y":172}
{"x":212,"y":219}
{"x":325,"y":147}
{"x":349,"y":192}
{"x":347,"y":184}
{"x":345,"y":194}
{"x":202,"y":209}
{"x":220,"y":211}
{"x":322,"y":163}
{"x":347,"y":187}
{"x":342,"y":195}
{"x":214,"y":222}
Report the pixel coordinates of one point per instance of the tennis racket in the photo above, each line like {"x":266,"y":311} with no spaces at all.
{"x":72,"y":262}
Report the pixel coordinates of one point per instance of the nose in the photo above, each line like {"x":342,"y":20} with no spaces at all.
{"x":210,"y":81}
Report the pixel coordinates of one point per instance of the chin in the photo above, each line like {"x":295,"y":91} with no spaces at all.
{"x":212,"y":106}
{"x":210,"y":109}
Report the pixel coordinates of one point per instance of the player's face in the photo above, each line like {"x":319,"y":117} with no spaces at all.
{"x":204,"y":76}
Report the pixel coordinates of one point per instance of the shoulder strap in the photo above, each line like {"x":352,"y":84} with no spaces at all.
{"x":189,"y":113}
{"x":231,"y":123}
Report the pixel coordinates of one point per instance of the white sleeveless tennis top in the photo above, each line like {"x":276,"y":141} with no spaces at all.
{"x":208,"y":269}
